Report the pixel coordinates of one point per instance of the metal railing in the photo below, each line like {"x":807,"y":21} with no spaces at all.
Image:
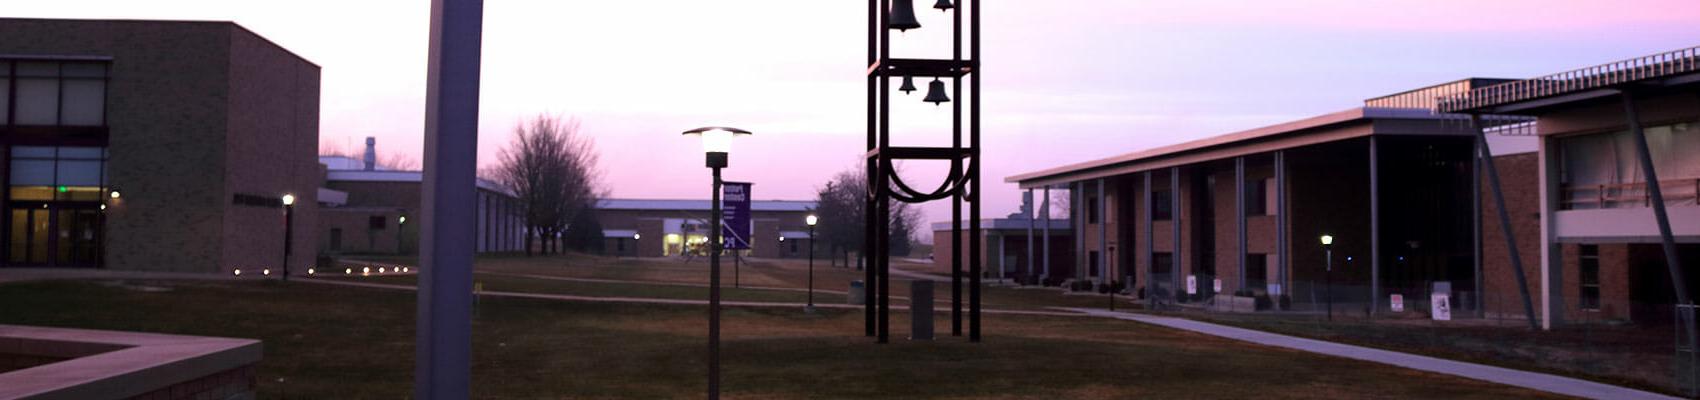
{"x":1595,"y":77}
{"x":1628,"y":195}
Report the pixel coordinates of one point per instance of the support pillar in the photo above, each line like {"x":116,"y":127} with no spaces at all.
{"x":443,"y":344}
{"x":1239,"y":219}
{"x":1374,"y":227}
{"x":1175,"y":225}
{"x":1476,"y":225}
{"x":1281,"y":254}
{"x":1485,"y":155}
{"x":1031,"y":217}
{"x":1673,"y":260}
{"x":1103,"y":233}
{"x":1150,"y":249}
{"x":1045,"y":260}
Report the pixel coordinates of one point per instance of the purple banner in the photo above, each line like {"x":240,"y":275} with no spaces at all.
{"x":735,"y":217}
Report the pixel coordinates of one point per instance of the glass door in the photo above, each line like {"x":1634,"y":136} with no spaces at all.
{"x":58,"y":235}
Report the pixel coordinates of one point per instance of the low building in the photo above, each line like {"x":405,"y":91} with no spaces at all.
{"x":676,"y":228}
{"x":155,"y":145}
{"x":1392,"y":181}
{"x":368,"y":209}
{"x":1005,"y":251}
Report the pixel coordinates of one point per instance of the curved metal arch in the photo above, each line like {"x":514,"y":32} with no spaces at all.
{"x":907,"y":194}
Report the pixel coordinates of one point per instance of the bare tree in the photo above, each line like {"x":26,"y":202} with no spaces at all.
{"x":841,"y":207}
{"x":552,"y":169}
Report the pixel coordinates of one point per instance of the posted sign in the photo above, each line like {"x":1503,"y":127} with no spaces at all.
{"x":735,"y":220}
{"x":1441,"y":305}
{"x":1398,"y":303}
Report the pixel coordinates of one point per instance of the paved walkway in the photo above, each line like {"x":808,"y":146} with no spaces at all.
{"x":1506,"y":376}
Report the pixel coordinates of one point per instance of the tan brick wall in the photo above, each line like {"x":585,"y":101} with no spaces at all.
{"x":1519,"y":180}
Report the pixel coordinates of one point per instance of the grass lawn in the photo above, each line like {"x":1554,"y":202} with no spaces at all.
{"x":504,"y":283}
{"x":326,"y":341}
{"x":1633,"y":356}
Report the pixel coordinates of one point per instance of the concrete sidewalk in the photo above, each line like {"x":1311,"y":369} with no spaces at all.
{"x":1506,"y":376}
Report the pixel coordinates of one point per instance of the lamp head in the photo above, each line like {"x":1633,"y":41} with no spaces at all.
{"x":1327,"y":240}
{"x":717,"y":142}
{"x":811,"y":220}
{"x":401,"y":219}
{"x":288,"y":199}
{"x":637,"y":236}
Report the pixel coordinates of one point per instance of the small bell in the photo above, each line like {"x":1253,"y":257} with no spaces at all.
{"x":943,"y":5}
{"x":907,"y":86}
{"x":903,"y":15}
{"x":935,"y":92}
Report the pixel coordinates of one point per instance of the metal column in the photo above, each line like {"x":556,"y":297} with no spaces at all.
{"x":1031,"y":217}
{"x":1175,"y":225}
{"x":1656,"y":195}
{"x":1103,"y":233}
{"x":1283,"y":275}
{"x":1150,"y":249}
{"x":1476,"y":224}
{"x":1374,"y":228}
{"x":443,"y":344}
{"x":1239,"y":218}
{"x":1046,"y":243}
{"x":1077,"y":217}
{"x":1485,"y":156}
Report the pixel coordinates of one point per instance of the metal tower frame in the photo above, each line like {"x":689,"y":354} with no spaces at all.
{"x":962,"y":185}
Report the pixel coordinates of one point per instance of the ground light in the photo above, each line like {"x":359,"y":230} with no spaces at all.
{"x":310,"y":271}
{"x":716,"y":144}
{"x":346,"y":271}
{"x":266,"y":272}
{"x":238,"y":272}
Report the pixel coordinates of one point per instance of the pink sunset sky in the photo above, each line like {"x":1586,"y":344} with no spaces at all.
{"x":1064,"y":81}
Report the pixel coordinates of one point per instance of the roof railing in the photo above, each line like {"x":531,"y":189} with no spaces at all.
{"x":1595,"y":77}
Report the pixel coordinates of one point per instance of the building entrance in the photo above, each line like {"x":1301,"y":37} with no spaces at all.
{"x":48,"y":234}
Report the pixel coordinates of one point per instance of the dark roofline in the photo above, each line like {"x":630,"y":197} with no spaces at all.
{"x":177,"y":21}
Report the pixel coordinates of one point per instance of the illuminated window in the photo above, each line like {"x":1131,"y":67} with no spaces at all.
{"x":42,"y":173}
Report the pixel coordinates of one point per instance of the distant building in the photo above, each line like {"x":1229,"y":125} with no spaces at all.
{"x":363,"y":207}
{"x":672,"y":228}
{"x":155,"y":145}
{"x":1004,"y":249}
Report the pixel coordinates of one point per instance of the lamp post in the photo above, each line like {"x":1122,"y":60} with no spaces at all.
{"x":1328,"y":273}
{"x":716,"y":142}
{"x":811,"y":220}
{"x":400,"y":230}
{"x":288,"y":225}
{"x":637,"y":240}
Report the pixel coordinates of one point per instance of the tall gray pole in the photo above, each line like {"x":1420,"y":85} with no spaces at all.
{"x":1486,"y":156}
{"x":443,"y":344}
{"x":1175,"y":225}
{"x":1150,"y":249}
{"x":715,"y":246}
{"x":1103,"y":233}
{"x":1281,"y":252}
{"x":1239,"y":222}
{"x":1476,"y":225}
{"x":1031,"y":217}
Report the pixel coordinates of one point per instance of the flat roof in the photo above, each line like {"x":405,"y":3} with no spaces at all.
{"x":174,"y":21}
{"x":1671,"y":68}
{"x":699,"y":205}
{"x":399,"y":176}
{"x":1307,"y":131}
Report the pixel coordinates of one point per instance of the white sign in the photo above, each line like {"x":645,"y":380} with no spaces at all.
{"x":1216,"y":286}
{"x":1192,"y":284}
{"x":1274,"y":289}
{"x":1442,"y":308}
{"x":1398,"y":302}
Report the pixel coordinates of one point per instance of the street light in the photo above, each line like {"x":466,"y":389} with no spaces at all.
{"x":1328,"y":274}
{"x":636,"y":244}
{"x":716,"y":143}
{"x":811,"y":220}
{"x":400,"y":230}
{"x":288,"y":226}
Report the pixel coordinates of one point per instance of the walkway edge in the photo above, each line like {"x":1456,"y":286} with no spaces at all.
{"x":1506,"y":376}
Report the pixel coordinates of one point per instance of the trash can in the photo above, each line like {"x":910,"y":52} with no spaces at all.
{"x":857,"y":296}
{"x":921,"y":309}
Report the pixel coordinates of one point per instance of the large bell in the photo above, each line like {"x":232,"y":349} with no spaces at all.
{"x":943,"y":5}
{"x":935,"y":93}
{"x":907,"y":86}
{"x":903,"y":15}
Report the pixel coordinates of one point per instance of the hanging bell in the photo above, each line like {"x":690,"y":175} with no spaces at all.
{"x":935,"y":92}
{"x":943,"y":5}
{"x":903,"y":15}
{"x":907,"y":86}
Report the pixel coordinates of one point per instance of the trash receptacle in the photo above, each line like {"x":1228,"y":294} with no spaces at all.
{"x":857,"y":296}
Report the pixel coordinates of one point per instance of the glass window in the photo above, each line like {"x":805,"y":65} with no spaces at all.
{"x":32,"y":152}
{"x":1589,"y":264}
{"x":83,"y":70}
{"x":1161,"y":209}
{"x":1255,"y":195}
{"x":38,"y":101}
{"x":84,"y":102}
{"x":32,"y":172}
{"x":41,"y":69}
{"x":5,"y":96}
{"x":78,"y":173}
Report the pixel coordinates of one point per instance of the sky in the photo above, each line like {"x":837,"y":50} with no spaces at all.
{"x":1064,"y":82}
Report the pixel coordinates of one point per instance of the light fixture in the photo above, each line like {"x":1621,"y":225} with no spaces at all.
{"x":944,"y":5}
{"x":401,"y":219}
{"x":811,"y":220}
{"x":903,"y":15}
{"x":288,"y":199}
{"x":309,"y":271}
{"x":717,"y":142}
{"x":907,"y":86}
{"x":1327,"y":240}
{"x":365,"y":270}
{"x":103,"y":206}
{"x":935,"y":92}
{"x":114,"y":193}
{"x":781,"y":238}
{"x":346,"y":271}
{"x":238,"y":272}
{"x":637,"y":236}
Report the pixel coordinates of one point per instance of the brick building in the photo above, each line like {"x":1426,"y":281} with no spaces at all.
{"x":154,"y":145}
{"x":1003,"y":242}
{"x":1585,"y":222}
{"x":368,"y":209}
{"x":1392,"y":181}
{"x":669,"y":228}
